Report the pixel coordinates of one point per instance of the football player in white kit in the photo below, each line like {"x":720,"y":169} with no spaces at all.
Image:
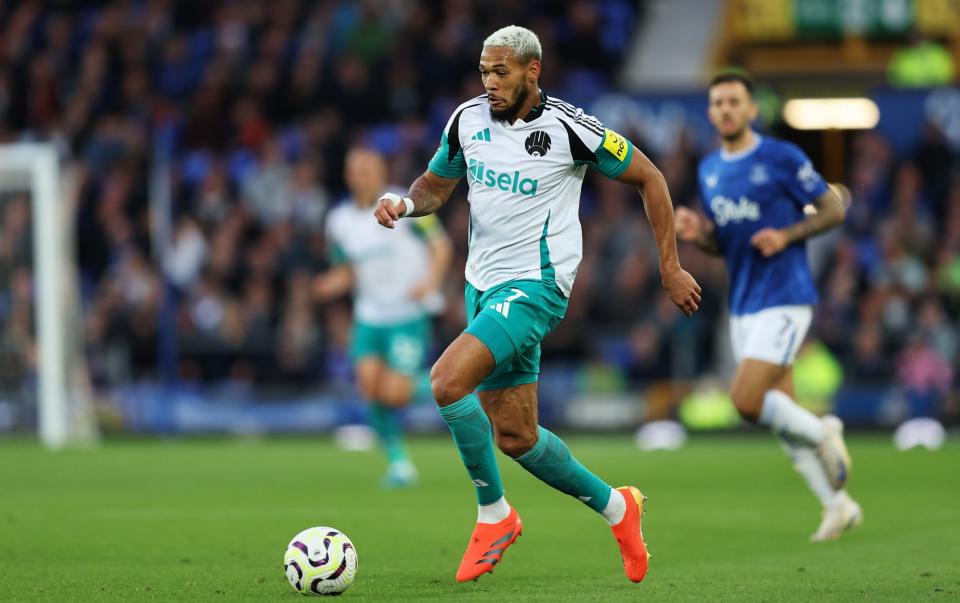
{"x":525,"y":155}
{"x":391,"y":327}
{"x":754,"y":191}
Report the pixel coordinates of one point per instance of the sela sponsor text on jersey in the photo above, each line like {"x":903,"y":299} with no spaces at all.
{"x":504,"y":181}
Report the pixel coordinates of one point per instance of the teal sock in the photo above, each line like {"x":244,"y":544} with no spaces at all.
{"x":422,"y":390}
{"x":386,"y":424}
{"x":551,"y":462}
{"x":471,"y":433}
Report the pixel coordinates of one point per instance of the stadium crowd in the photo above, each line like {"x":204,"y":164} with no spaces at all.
{"x":254,"y":104}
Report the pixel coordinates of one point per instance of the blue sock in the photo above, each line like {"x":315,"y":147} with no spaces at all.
{"x":471,"y":432}
{"x":386,"y":424}
{"x":551,"y":462}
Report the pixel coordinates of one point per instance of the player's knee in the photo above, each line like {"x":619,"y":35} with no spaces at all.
{"x":446,"y":388}
{"x":515,"y":443}
{"x":369,"y":389}
{"x":748,"y":404}
{"x":398,"y":393}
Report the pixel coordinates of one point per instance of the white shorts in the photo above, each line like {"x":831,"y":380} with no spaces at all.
{"x":773,"y":335}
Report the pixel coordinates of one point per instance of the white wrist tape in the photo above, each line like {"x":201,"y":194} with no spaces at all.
{"x":404,"y":205}
{"x":407,"y":206}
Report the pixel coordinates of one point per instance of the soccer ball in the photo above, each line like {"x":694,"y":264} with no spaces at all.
{"x":320,"y":561}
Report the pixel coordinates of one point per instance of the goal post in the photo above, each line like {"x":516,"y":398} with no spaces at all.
{"x":64,"y":406}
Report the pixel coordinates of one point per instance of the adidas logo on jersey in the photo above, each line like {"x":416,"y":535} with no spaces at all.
{"x":483,"y":135}
{"x":503,"y":181}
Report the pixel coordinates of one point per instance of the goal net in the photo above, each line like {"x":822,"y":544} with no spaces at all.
{"x":44,"y":384}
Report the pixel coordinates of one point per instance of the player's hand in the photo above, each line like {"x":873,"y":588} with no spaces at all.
{"x":770,"y":241}
{"x":423,"y":289}
{"x":321,"y":287}
{"x":387,"y":213}
{"x":688,"y":225}
{"x":682,"y":288}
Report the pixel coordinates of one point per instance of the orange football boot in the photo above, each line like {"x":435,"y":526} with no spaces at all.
{"x":487,"y":545}
{"x":629,"y":535}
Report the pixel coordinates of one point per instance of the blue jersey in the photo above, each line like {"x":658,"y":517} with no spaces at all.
{"x":742,"y":193}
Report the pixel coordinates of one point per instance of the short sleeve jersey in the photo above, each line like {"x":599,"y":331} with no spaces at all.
{"x":764,"y":186}
{"x":524,"y":184}
{"x":381,"y":291}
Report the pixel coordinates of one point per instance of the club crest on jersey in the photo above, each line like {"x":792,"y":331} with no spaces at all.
{"x":506,"y":182}
{"x":537,"y":144}
{"x":758,"y":175}
{"x":726,"y":210}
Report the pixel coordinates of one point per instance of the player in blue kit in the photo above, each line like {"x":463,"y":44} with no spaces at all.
{"x":754,"y":190}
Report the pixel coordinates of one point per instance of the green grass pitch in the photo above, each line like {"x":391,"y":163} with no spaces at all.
{"x":208,"y":520}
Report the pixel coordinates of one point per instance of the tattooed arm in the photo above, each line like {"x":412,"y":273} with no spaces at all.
{"x":830,"y":212}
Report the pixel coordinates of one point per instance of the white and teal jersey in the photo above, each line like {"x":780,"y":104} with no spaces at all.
{"x":524,"y":187}
{"x":386,"y":264}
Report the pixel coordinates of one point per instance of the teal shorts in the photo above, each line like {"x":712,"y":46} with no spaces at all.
{"x":402,"y":346}
{"x":511,"y":319}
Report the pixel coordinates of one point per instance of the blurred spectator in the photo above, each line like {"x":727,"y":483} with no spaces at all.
{"x":186,"y":254}
{"x":925,"y":376}
{"x":922,"y":64}
{"x":868,"y":362}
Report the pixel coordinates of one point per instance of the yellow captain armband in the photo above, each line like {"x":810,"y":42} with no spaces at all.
{"x":616,"y":144}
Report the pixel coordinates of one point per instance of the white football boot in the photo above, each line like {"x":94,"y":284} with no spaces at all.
{"x":843,"y":514}
{"x":833,"y":452}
